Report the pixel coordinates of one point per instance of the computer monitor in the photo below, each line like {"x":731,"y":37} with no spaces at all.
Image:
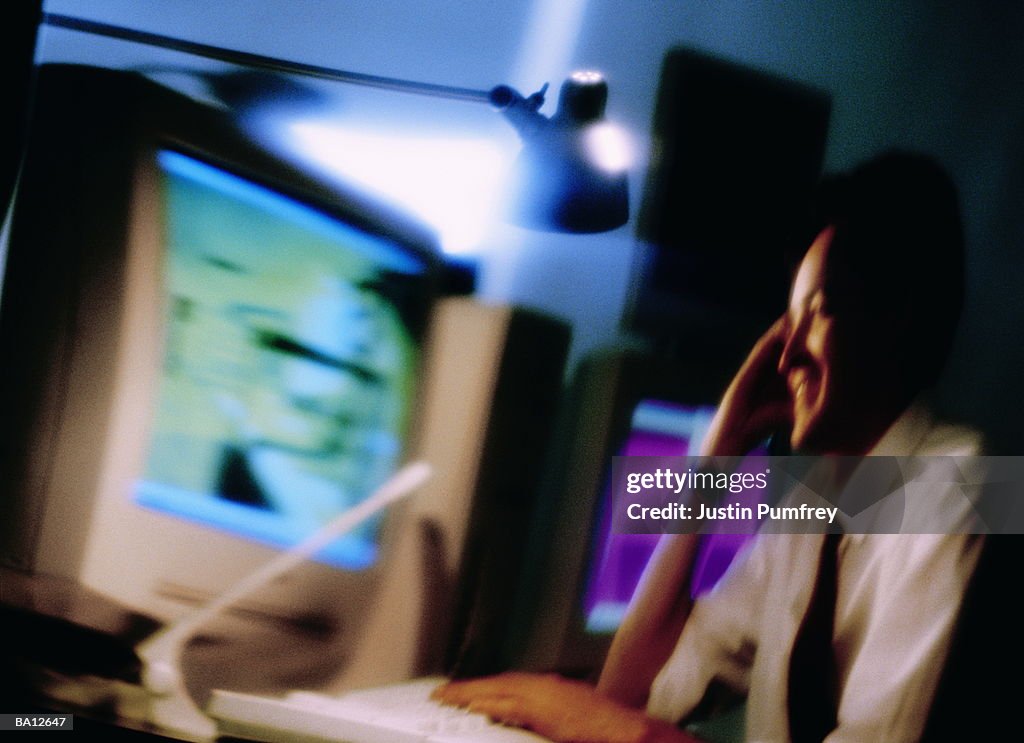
{"x":657,"y":428}
{"x":736,"y":152}
{"x":207,"y":354}
{"x":624,"y":404}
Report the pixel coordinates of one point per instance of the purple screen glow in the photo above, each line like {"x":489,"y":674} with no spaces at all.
{"x":659,"y":429}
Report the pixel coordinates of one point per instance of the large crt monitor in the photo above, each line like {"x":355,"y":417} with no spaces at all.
{"x":206,"y":356}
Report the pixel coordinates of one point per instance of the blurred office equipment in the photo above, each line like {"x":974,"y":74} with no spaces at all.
{"x":207,"y":354}
{"x":183,"y":337}
{"x":495,"y":386}
{"x":736,"y":154}
{"x":188,"y":333}
{"x":571,"y":175}
{"x":581,"y":574}
{"x":170,"y":707}
{"x":400,"y":713}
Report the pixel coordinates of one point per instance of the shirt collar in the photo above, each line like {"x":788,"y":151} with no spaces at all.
{"x":906,"y":433}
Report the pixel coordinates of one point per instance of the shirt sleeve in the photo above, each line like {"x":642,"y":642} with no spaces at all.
{"x":718,"y":641}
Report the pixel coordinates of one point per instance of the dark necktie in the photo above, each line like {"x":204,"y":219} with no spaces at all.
{"x":813,"y":676}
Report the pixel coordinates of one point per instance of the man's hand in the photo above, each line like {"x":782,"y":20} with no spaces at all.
{"x":756,"y":402}
{"x":556,"y":708}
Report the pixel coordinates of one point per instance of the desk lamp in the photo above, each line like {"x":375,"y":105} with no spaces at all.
{"x":569,"y":177}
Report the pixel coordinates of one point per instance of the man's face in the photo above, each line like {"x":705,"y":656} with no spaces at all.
{"x":827,"y":364}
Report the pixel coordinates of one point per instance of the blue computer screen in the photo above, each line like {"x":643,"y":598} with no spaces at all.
{"x":289,"y":361}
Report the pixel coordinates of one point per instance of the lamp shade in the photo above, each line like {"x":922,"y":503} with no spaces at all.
{"x":571,"y":175}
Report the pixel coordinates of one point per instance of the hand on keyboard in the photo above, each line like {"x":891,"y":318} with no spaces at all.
{"x":403,"y":713}
{"x":557,"y":708}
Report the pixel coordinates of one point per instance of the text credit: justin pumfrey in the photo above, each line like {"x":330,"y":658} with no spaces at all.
{"x":665,"y":481}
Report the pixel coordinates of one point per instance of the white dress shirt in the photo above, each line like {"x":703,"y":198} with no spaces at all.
{"x":898,"y":599}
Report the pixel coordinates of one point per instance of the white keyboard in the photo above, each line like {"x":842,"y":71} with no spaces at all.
{"x":402,"y":713}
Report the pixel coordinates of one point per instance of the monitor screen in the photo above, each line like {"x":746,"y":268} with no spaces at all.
{"x":658,"y":429}
{"x":288,"y":364}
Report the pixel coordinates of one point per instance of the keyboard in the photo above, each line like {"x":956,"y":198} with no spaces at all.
{"x":401,"y":713}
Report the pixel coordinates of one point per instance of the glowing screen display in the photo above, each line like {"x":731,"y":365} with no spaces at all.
{"x":290,"y":352}
{"x":657,"y":429}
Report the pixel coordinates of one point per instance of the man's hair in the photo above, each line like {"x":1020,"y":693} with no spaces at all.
{"x":898,"y":245}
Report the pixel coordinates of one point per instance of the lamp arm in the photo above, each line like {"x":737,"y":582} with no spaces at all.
{"x":521,"y":112}
{"x":275,"y":64}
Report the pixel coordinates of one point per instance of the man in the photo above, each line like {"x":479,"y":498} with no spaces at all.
{"x":872,"y":311}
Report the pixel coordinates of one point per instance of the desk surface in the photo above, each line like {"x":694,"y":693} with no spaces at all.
{"x":59,"y":624}
{"x":66,"y":648}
